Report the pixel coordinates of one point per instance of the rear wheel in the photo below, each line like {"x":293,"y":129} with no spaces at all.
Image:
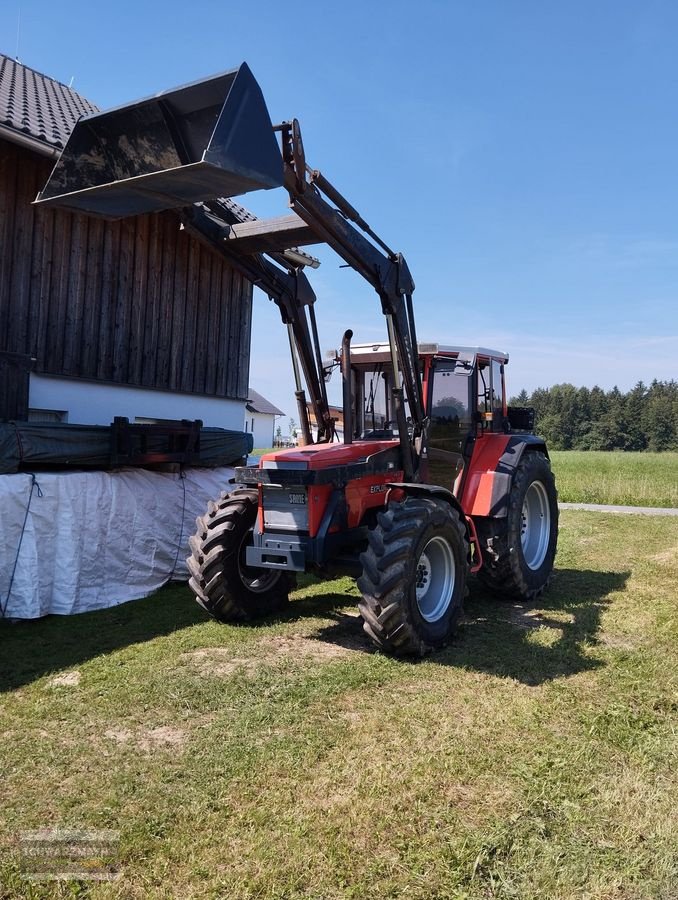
{"x":519,"y":550}
{"x":414,"y":576}
{"x":221,"y":580}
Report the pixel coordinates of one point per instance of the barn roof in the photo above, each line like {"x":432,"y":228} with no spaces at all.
{"x":36,"y":106}
{"x":258,"y":404}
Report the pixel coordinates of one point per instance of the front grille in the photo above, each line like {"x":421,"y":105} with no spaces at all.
{"x":285,"y":509}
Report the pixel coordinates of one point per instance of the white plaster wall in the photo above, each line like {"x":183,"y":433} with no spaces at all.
{"x":264,"y":428}
{"x":92,"y":403}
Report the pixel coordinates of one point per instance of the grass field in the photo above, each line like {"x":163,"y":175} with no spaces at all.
{"x":534,"y":758}
{"x":628,"y":479}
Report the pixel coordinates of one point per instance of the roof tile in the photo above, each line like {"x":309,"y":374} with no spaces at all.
{"x":37,"y":105}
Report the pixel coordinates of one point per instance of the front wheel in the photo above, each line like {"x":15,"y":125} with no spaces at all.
{"x":221,"y":580}
{"x":519,"y":550}
{"x":414,"y":576}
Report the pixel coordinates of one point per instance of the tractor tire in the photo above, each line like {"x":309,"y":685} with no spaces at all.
{"x":223,"y":584}
{"x":414,"y":576}
{"x":519,"y":550}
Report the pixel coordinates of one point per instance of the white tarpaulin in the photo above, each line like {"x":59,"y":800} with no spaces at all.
{"x":77,"y":541}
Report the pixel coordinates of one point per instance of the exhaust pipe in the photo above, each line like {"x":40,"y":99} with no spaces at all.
{"x":346,"y":383}
{"x":209,"y":139}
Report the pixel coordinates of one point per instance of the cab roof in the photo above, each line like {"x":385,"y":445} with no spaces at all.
{"x":380,"y":351}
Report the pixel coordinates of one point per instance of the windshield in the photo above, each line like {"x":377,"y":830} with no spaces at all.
{"x":376,"y":400}
{"x":376,"y":416}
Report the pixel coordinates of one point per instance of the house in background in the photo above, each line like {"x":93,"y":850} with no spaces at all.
{"x":337,"y":414}
{"x":132,"y":318}
{"x":260,"y":419}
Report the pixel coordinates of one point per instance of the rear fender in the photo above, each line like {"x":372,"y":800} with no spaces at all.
{"x":491,"y":471}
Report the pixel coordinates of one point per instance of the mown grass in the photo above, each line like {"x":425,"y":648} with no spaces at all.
{"x":533,"y":758}
{"x":626,"y":479}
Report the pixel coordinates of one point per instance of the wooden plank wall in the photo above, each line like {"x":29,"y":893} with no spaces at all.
{"x":14,"y":375}
{"x":135,"y":302}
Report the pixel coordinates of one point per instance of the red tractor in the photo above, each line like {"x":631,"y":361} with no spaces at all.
{"x":482,"y":500}
{"x":434,"y":477}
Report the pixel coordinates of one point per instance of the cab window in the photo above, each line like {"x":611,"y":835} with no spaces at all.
{"x":450,"y":396}
{"x":497,"y":387}
{"x":490,"y":402}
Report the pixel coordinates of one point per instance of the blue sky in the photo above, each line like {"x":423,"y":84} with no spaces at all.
{"x":522,"y":155}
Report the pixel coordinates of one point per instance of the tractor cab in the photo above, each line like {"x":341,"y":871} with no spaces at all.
{"x":465,"y":402}
{"x":464,"y":395}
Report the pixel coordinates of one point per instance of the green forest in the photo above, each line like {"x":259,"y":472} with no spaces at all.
{"x":572,"y":418}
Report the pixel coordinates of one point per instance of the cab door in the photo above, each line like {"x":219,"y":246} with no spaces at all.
{"x":450,"y":406}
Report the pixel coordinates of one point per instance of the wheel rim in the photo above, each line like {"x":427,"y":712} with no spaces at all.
{"x":435,"y":577}
{"x":256,"y":580}
{"x":535,"y":525}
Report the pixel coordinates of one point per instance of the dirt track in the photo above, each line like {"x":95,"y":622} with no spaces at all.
{"x":634,"y":510}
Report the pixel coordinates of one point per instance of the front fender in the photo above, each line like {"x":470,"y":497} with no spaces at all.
{"x":414,"y":489}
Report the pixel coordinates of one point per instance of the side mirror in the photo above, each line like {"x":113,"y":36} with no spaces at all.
{"x":328,"y":369}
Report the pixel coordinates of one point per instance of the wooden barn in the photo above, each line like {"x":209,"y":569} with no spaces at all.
{"x":139,"y":322}
{"x":132,"y":318}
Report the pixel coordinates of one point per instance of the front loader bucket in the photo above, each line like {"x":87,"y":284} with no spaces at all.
{"x":209,"y":139}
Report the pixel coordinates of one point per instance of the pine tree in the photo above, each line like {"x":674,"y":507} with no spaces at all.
{"x":569,"y":417}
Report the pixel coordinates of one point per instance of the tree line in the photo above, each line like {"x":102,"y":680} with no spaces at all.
{"x":571,"y":418}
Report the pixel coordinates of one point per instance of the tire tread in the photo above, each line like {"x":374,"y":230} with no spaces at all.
{"x":213,"y":563}
{"x":384,"y":580}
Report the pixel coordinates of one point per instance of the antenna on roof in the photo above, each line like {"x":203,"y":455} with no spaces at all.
{"x":18,"y":31}
{"x":70,"y":83}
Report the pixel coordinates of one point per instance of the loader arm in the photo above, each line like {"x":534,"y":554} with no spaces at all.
{"x":332,"y":219}
{"x":289,"y":288}
{"x":186,"y":147}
